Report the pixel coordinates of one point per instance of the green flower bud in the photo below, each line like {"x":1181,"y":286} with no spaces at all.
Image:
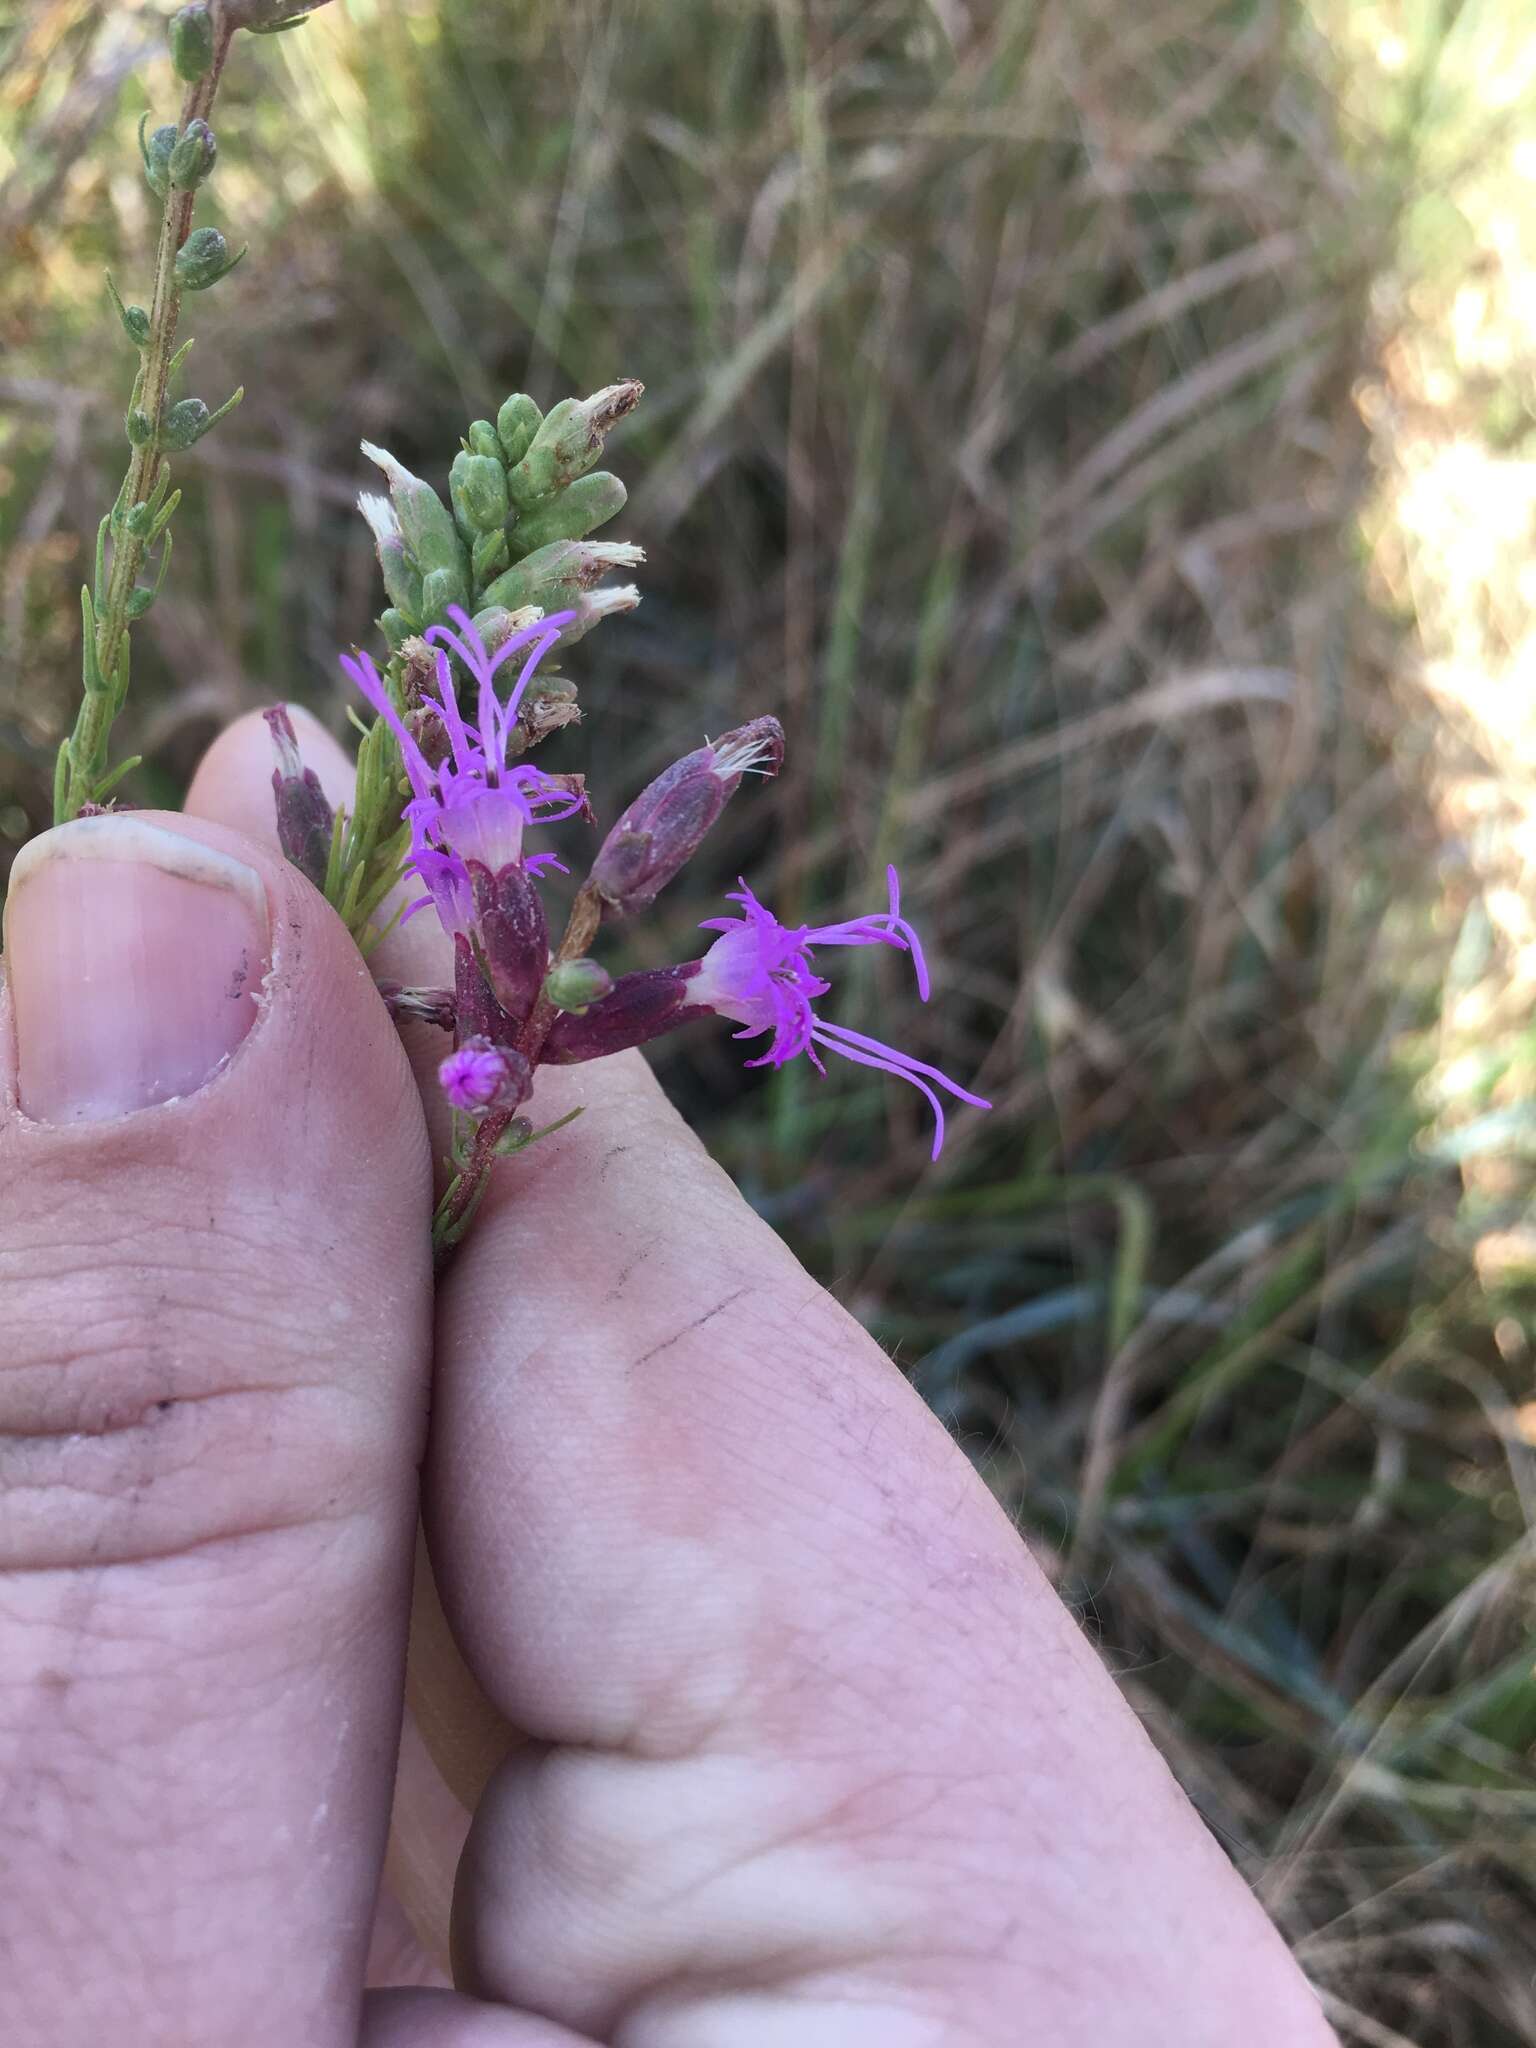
{"x":426,"y":524}
{"x":516,"y":424}
{"x":157,"y":156}
{"x":187,"y":421}
{"x":556,"y":576}
{"x":138,"y":519}
{"x":483,"y":439}
{"x":402,"y":579}
{"x":140,"y":427}
{"x":191,"y":38}
{"x":193,"y":157}
{"x":140,"y":598}
{"x":441,"y":588}
{"x":570,"y":441}
{"x":489,"y":556}
{"x":575,"y":985}
{"x":396,"y":628}
{"x":203,"y":259}
{"x":589,"y":502}
{"x":477,"y":484}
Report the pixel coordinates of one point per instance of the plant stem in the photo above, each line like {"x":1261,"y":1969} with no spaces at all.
{"x":459,"y":1203}
{"x":106,"y":662}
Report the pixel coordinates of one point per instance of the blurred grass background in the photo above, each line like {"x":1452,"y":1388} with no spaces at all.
{"x":1107,"y":436}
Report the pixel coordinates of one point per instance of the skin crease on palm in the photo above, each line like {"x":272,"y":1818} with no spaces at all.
{"x":814,"y":1757}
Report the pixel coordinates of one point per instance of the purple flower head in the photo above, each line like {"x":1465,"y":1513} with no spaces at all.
{"x":475,"y":804}
{"x":478,"y":1076}
{"x":759,"y":973}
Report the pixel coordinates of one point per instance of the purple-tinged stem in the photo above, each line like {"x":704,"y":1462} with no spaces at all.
{"x":459,"y":1204}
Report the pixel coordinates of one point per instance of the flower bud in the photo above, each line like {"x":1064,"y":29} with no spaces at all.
{"x":426,"y":524}
{"x":516,"y":424}
{"x":397,"y":628}
{"x":556,"y":575}
{"x":402,"y":581}
{"x":484,"y":440}
{"x":575,"y":985}
{"x":588,"y":503}
{"x":569,"y":441}
{"x":593,"y":606}
{"x":477,"y":484}
{"x":488,"y":557}
{"x":441,"y":588}
{"x":641,"y":1007}
{"x":203,"y":259}
{"x":193,"y":157}
{"x":666,"y":823}
{"x":139,"y":427}
{"x":513,"y":935}
{"x":480,"y":1076}
{"x":191,"y":39}
{"x":304,"y":815}
{"x":139,"y":600}
{"x":139,"y":518}
{"x":157,"y":155}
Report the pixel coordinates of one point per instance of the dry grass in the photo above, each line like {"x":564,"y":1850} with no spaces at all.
{"x":1042,"y":418}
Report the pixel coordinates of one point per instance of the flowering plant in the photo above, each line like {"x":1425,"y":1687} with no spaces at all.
{"x":485,"y":592}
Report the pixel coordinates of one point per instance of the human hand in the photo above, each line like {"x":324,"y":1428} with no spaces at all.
{"x":817,"y":1757}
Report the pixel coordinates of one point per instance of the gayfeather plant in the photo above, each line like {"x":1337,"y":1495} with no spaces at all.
{"x":515,"y":1004}
{"x":487,"y":589}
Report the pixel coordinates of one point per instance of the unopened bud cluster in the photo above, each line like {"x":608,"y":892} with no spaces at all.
{"x":512,"y":538}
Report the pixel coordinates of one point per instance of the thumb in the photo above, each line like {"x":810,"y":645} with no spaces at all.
{"x":214,"y":1301}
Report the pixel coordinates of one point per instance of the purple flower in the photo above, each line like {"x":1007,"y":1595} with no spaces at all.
{"x":474,"y":805}
{"x":478,"y":1076}
{"x":759,"y":973}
